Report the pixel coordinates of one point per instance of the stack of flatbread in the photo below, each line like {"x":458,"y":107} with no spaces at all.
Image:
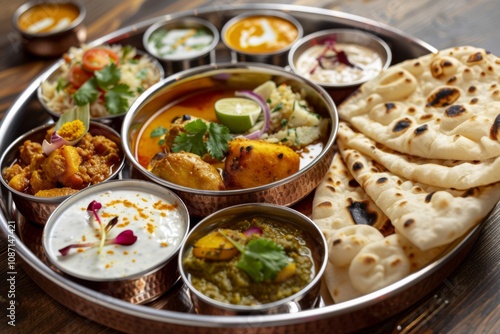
{"x":418,"y":165}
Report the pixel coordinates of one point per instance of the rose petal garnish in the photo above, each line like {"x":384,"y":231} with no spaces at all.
{"x":253,"y":230}
{"x":81,"y":113}
{"x":125,"y":238}
{"x":64,"y":251}
{"x":265,"y":108}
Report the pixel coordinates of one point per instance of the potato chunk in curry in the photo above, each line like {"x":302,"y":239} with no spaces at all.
{"x":252,"y":163}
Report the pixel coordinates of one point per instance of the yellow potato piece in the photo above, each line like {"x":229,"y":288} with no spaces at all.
{"x":215,"y":246}
{"x":286,"y":272}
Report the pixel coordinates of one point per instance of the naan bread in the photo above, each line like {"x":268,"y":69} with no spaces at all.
{"x":340,"y":201}
{"x":439,"y":106}
{"x":427,"y":216}
{"x":441,"y":173}
{"x":345,"y":243}
{"x":339,"y":284}
{"x":379,"y":264}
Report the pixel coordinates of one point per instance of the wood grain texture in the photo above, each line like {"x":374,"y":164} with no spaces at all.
{"x":466,"y":302}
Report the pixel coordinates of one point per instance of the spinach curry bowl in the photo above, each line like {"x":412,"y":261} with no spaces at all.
{"x":250,"y":258}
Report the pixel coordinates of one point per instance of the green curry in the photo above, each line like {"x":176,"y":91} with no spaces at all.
{"x":287,"y":264}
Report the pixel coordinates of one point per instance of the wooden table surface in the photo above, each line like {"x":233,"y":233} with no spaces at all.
{"x":468,"y":301}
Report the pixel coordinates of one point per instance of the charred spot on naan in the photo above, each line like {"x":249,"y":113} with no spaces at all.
{"x":495,"y":129}
{"x":442,"y":97}
{"x":360,"y":214}
{"x":402,"y":125}
{"x":444,"y":67}
{"x":455,"y":110}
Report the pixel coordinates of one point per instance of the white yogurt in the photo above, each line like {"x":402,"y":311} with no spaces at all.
{"x":158,"y":224}
{"x":180,"y":43}
{"x":368,"y":64}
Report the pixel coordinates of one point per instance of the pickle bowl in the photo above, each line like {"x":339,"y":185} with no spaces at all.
{"x":37,"y":209}
{"x":312,"y":244}
{"x":138,"y":261}
{"x":318,"y":57}
{"x":186,"y":86}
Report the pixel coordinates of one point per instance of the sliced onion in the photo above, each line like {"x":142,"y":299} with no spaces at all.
{"x":253,"y":230}
{"x":265,"y":108}
{"x":80,"y":112}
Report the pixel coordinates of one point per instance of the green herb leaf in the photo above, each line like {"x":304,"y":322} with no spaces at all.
{"x":87,"y":93}
{"x":193,"y":139}
{"x":158,"y":132}
{"x":262,"y":259}
{"x":116,"y":101}
{"x":201,"y":138}
{"x":218,"y":139}
{"x":61,"y":84}
{"x":108,"y":76}
{"x":126,"y":50}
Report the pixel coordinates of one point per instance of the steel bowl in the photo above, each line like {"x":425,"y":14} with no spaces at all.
{"x":55,"y":42}
{"x":277,"y":57}
{"x":201,"y":203}
{"x":306,"y":298}
{"x":173,"y":63}
{"x":348,"y":36}
{"x":112,"y":120}
{"x":38,"y":209}
{"x":137,"y":286}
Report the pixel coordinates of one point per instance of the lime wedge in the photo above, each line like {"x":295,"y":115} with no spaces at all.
{"x":237,"y":113}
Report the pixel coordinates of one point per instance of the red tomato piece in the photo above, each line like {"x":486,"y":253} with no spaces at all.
{"x":78,"y":76}
{"x":96,"y":59}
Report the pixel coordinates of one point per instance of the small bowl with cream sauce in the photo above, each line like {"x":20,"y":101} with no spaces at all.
{"x":136,"y":271}
{"x":181,"y":43}
{"x":50,"y":28}
{"x":339,"y":60}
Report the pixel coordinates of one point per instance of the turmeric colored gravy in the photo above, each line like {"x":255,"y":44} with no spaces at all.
{"x":48,"y":17}
{"x":261,"y":34}
{"x":198,"y":105}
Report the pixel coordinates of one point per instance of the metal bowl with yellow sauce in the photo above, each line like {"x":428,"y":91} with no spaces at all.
{"x":256,"y":166}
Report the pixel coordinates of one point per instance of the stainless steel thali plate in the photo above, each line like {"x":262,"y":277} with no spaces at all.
{"x":173,"y":311}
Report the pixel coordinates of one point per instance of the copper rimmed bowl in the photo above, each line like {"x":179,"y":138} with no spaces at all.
{"x":38,"y":209}
{"x":136,"y":271}
{"x":313,"y":245}
{"x":287,"y":191}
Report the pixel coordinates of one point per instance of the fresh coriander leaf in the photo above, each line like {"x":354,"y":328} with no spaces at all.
{"x":116,"y":99}
{"x":193,"y":139}
{"x":218,"y":138}
{"x":61,"y":84}
{"x":263,"y":259}
{"x":108,"y":77}
{"x":87,"y":93}
{"x":158,"y":132}
{"x":201,"y":138}
{"x":126,"y":50}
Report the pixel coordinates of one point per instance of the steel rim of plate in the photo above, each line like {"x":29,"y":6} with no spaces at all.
{"x":187,"y":319}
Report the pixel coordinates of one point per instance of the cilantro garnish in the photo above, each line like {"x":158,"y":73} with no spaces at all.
{"x":158,"y":132}
{"x":115,"y":94}
{"x":201,"y":138}
{"x":262,"y":259}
